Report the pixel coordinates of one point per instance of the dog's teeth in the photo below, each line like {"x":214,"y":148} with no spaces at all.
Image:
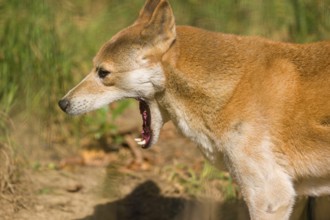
{"x":142,"y":142}
{"x":138,"y":139}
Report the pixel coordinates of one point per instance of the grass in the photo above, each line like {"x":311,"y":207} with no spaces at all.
{"x":196,"y":183}
{"x":9,"y":168}
{"x":47,"y":47}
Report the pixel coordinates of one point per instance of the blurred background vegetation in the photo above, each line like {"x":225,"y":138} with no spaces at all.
{"x":46,"y":47}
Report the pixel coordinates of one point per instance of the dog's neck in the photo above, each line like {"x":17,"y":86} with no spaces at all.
{"x":194,"y":98}
{"x":190,"y":85}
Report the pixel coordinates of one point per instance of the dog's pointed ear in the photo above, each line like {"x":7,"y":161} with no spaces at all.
{"x":147,"y":11}
{"x":160,"y":29}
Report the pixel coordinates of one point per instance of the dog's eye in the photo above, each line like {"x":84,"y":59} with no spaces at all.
{"x":103,"y":73}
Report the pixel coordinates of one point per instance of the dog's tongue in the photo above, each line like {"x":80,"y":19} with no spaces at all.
{"x":146,"y":118}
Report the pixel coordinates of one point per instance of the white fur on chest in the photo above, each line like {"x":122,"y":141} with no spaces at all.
{"x":185,"y":124}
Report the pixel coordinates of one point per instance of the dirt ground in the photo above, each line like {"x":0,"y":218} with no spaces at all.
{"x":164,"y":182}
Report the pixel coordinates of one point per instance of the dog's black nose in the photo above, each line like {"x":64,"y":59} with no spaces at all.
{"x":63,"y":104}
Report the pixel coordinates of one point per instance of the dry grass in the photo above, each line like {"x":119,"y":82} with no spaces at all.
{"x":11,"y":191}
{"x":15,"y":193}
{"x":8,"y":170}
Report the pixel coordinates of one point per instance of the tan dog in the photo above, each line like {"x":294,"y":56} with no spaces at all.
{"x":263,"y":107}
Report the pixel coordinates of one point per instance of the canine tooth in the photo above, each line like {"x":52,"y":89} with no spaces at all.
{"x":142,"y":142}
{"x":138,"y":139}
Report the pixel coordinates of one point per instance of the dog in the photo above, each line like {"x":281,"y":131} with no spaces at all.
{"x":258,"y":107}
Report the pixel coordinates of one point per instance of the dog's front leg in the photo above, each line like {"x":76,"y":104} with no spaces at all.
{"x":267,"y":189}
{"x":267,"y":202}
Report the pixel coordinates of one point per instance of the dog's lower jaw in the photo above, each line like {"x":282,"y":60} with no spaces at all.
{"x":158,"y":119}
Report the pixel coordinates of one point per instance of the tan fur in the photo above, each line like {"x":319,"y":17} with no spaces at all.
{"x":260,"y":106}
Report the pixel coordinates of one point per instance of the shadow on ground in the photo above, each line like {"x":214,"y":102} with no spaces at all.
{"x":146,"y":202}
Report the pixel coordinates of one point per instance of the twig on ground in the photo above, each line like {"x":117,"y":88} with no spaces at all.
{"x":136,"y":151}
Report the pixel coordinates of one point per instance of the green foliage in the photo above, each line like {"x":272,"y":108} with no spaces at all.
{"x":31,"y":58}
{"x":186,"y":177}
{"x":47,"y":47}
{"x":293,"y":20}
{"x":211,"y":173}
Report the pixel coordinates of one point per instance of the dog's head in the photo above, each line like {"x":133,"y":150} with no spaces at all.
{"x":128,"y":66}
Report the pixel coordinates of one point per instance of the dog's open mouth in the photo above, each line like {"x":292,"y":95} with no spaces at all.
{"x":145,"y":141}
